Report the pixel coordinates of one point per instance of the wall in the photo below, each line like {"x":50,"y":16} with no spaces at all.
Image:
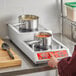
{"x":47,"y":10}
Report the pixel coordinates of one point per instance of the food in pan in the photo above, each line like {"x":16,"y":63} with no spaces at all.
{"x":43,"y":34}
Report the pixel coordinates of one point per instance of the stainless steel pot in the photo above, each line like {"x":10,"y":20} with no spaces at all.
{"x":29,"y":22}
{"x":45,"y":40}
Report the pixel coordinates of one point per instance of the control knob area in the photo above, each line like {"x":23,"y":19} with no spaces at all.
{"x":57,"y":54}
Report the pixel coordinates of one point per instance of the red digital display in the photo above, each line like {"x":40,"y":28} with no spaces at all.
{"x":57,"y":54}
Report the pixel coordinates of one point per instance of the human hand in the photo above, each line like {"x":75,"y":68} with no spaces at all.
{"x":53,"y":62}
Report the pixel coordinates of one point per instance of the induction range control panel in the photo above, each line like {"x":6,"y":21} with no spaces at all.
{"x":58,"y":54}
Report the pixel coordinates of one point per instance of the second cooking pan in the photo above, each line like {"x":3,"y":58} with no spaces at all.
{"x":29,"y":22}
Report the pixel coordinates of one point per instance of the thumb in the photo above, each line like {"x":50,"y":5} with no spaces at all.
{"x":51,"y":55}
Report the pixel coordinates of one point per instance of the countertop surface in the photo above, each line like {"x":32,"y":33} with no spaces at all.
{"x":27,"y":65}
